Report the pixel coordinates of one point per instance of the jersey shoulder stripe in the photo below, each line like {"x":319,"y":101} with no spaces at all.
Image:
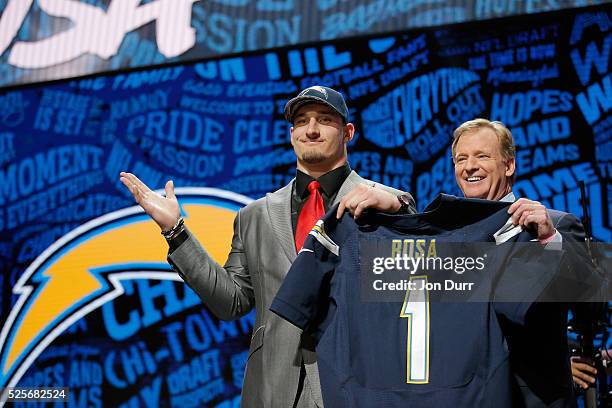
{"x":318,"y":232}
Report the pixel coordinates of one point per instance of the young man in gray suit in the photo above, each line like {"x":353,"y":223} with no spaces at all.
{"x":281,"y":367}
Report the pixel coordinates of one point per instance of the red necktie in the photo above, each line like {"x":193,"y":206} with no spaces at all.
{"x":311,"y":213}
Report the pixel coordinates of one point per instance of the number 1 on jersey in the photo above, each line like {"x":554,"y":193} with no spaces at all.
{"x":416,"y":310}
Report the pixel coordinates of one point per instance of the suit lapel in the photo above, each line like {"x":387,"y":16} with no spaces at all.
{"x":279,"y":213}
{"x":350,"y":183}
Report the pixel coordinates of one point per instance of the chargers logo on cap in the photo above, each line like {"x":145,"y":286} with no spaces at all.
{"x":319,"y":89}
{"x":85,"y":269}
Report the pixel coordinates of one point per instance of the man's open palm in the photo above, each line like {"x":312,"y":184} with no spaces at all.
{"x":163,"y":210}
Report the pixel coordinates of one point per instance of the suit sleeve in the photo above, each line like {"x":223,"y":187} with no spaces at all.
{"x":226,"y":290}
{"x":570,"y":228}
{"x":529,"y":274}
{"x":589,"y":279}
{"x":564,"y":276}
{"x":304,"y":298}
{"x":412,"y":204}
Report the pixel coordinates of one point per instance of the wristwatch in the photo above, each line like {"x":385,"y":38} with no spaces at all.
{"x":405,"y":203}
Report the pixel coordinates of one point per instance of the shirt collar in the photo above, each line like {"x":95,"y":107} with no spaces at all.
{"x":330,"y":181}
{"x":508,"y":197}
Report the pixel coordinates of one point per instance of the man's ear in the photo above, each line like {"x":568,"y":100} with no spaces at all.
{"x":349,"y":132}
{"x":291,"y":134}
{"x":510,"y":167}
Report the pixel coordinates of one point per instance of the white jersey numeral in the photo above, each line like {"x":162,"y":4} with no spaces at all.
{"x":416,"y":310}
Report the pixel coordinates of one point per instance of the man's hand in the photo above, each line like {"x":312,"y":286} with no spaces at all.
{"x":363,"y":197}
{"x":164,"y":210}
{"x":533,"y":215}
{"x":581,"y":370}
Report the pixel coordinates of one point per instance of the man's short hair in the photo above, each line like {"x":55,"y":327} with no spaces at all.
{"x":504,"y":136}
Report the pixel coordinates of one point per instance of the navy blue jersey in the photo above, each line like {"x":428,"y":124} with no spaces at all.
{"x":410,"y":353}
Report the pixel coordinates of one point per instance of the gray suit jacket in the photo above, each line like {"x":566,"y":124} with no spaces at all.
{"x":263,"y":249}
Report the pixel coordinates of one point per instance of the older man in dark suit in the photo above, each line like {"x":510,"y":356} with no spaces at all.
{"x":484,"y":157}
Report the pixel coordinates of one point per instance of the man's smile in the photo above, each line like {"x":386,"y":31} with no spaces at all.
{"x":474,"y":179}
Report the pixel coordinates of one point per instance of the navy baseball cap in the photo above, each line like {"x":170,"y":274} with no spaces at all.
{"x":317,"y":94}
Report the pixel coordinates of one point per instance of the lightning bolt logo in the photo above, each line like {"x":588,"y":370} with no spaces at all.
{"x":83,"y":270}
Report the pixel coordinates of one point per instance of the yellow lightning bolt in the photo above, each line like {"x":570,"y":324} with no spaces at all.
{"x":140,"y":242}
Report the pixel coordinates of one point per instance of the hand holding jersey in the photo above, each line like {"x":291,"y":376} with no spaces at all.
{"x":533,"y":215}
{"x":363,"y":197}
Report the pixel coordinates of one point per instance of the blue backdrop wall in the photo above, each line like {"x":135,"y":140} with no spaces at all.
{"x":87,"y":299}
